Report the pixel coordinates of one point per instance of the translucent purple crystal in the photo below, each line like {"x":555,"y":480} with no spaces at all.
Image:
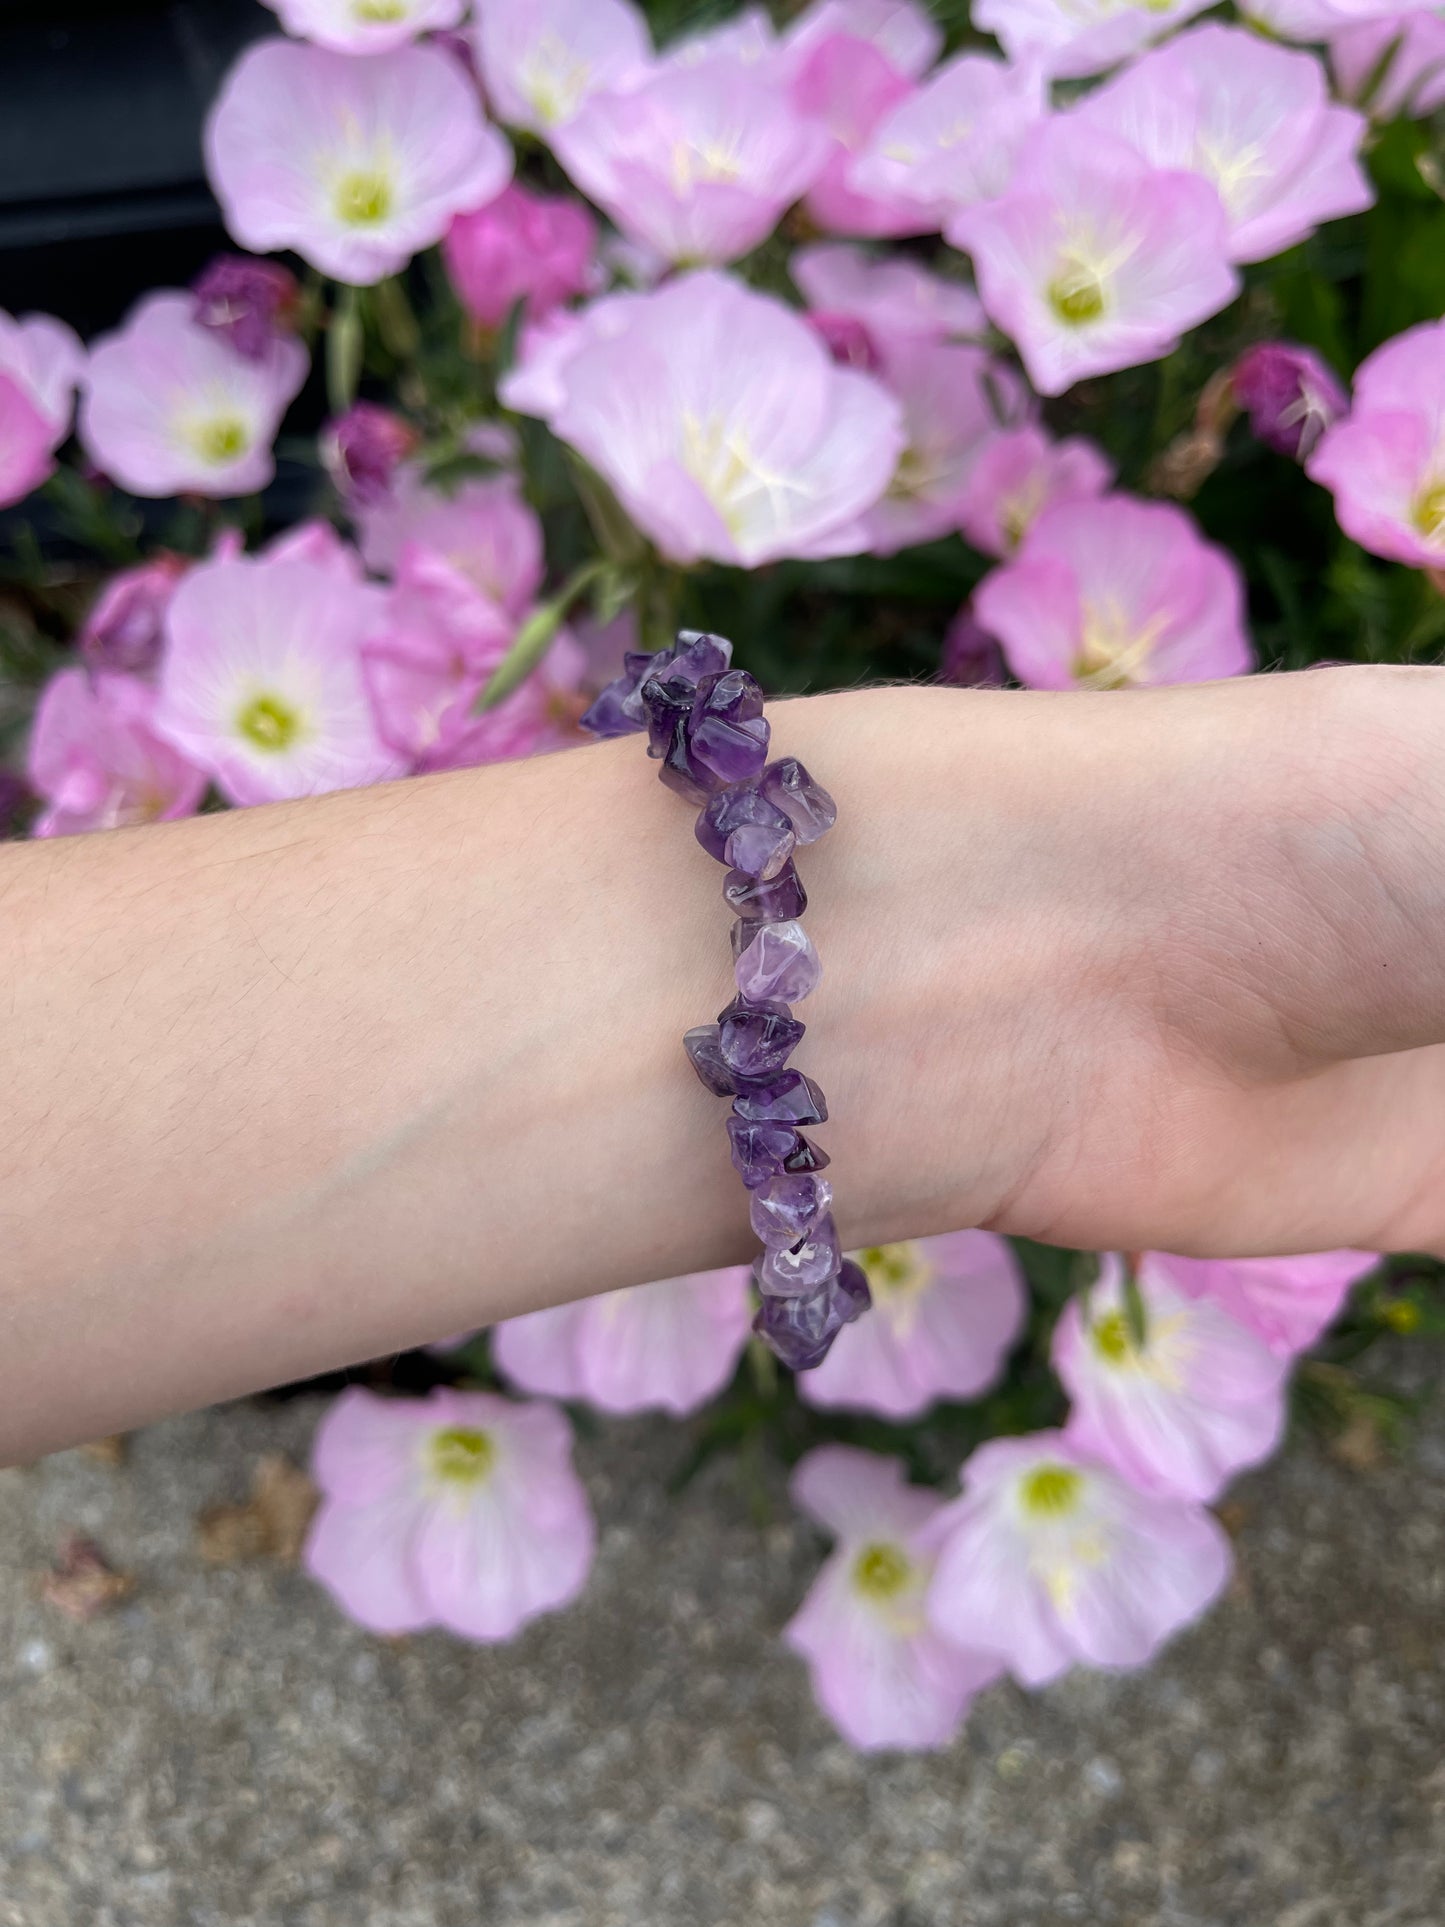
{"x":785,"y":1209}
{"x":755,"y":1041}
{"x":778,"y":899}
{"x":667,"y":702}
{"x":775,"y":960}
{"x":792,"y":1271}
{"x":806,"y":804}
{"x":805,"y":1156}
{"x":618,"y":709}
{"x":761,"y":1151}
{"x":800,"y":1330}
{"x":744,"y":830}
{"x":701,"y":1045}
{"x":791,"y":1098}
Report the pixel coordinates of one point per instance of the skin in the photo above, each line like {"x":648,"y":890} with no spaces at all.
{"x":292,"y":1087}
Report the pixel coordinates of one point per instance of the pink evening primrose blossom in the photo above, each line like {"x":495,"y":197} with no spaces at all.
{"x":126,"y":624}
{"x":955,"y":399}
{"x":538,"y":717}
{"x":356,"y":164}
{"x":892,"y":299}
{"x":955,"y":141}
{"x":880,"y":1671}
{"x":261,"y":684}
{"x":534,"y":384}
{"x":460,"y":1510}
{"x":665,"y":1347}
{"x":1409,"y":84}
{"x":724,"y":428}
{"x":1115,"y":593}
{"x":1094,"y":260}
{"x":1019,"y":474}
{"x":541,"y":60}
{"x":945,"y":1313}
{"x":484,"y":534}
{"x":1256,"y":121}
{"x":170,"y":408}
{"x":1050,"y":1560}
{"x":535,"y":248}
{"x":846,"y":86}
{"x":1385,"y":462}
{"x":1070,"y":39}
{"x":904,"y":33}
{"x":95,"y":758}
{"x":1312,"y":20}
{"x":746,"y":36}
{"x":41,"y":361}
{"x":1181,"y":1412}
{"x":1291,"y":395}
{"x":697,"y":162}
{"x":1288,"y":1302}
{"x":365,"y":26}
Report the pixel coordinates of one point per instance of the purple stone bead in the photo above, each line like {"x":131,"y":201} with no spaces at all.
{"x":701,"y":1045}
{"x":805,"y":1156}
{"x":779,"y":962}
{"x":801,"y":1330}
{"x":667,"y":701}
{"x":790,"y":1098}
{"x":756,"y":1040}
{"x":795,"y":1270}
{"x":777,"y":899}
{"x":697,"y":655}
{"x":745,"y":831}
{"x":785,"y":1209}
{"x":617,"y":710}
{"x":680,"y":773}
{"x":806,"y":804}
{"x":723,"y":752}
{"x":761,"y":1151}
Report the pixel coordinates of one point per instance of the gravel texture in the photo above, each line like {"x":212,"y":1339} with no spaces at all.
{"x":222,"y":1750}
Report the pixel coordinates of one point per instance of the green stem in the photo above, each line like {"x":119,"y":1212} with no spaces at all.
{"x":535,"y":638}
{"x":343,"y":349}
{"x":395,"y":319}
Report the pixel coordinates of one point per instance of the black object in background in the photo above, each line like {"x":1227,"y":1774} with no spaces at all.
{"x":102,"y":189}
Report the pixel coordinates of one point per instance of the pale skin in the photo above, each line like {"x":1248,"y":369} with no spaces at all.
{"x":293,"y":1087}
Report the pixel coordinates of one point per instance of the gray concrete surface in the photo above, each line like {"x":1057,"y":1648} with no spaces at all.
{"x":224,"y":1751}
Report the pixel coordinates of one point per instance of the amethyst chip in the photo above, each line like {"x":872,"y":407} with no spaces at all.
{"x":790,"y":1098}
{"x":801,"y":1330}
{"x":806,"y":804}
{"x":785,"y":1209}
{"x":744,"y":830}
{"x":761,"y":1151}
{"x":775,"y":960}
{"x":778,"y":899}
{"x":705,"y":1055}
{"x":792,"y":1271}
{"x":756,"y":1040}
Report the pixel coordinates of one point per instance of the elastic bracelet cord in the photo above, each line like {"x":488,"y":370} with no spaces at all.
{"x":706,"y":727}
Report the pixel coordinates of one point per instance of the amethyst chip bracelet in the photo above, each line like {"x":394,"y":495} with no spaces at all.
{"x":705,"y":725}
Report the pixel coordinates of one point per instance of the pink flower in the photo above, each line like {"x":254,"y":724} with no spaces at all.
{"x":1288,"y":1302}
{"x":126,"y":624}
{"x":363,"y":449}
{"x":955,"y":141}
{"x":1094,"y":260}
{"x":1385,"y":462}
{"x":1291,"y":396}
{"x":539,"y":716}
{"x":724,"y":428}
{"x":1254,"y":120}
{"x":356,"y":164}
{"x":484,"y":534}
{"x":847,"y":85}
{"x":170,"y":408}
{"x":893,"y":298}
{"x":880,"y":1672}
{"x":248,"y":302}
{"x":365,"y":26}
{"x":1111,"y":593}
{"x":261,"y":681}
{"x":955,"y":399}
{"x":1071,"y":38}
{"x":540,"y":61}
{"x":1050,"y":1560}
{"x":945,"y":1313}
{"x":1311,"y":19}
{"x":40,"y":364}
{"x":665,"y":1347}
{"x":696,"y":161}
{"x":970,"y":658}
{"x":1412,"y":81}
{"x":534,"y":385}
{"x":431,"y":655}
{"x":1200,"y":1398}
{"x":904,"y":33}
{"x":536,"y":248}
{"x":459,"y":1510}
{"x":1017,"y":476}
{"x":97,"y":761}
{"x":747,"y":36}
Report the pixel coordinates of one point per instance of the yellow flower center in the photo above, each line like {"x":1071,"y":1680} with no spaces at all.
{"x":269,"y":723}
{"x":882,"y":1571}
{"x":1111,"y":654}
{"x":1051,"y":1491}
{"x":461,"y":1454}
{"x":1111,"y":1337}
{"x":378,"y":12}
{"x":554,"y":79}
{"x":1428,"y":514}
{"x":221,"y":439}
{"x":363,"y":198}
{"x":1076,"y":295}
